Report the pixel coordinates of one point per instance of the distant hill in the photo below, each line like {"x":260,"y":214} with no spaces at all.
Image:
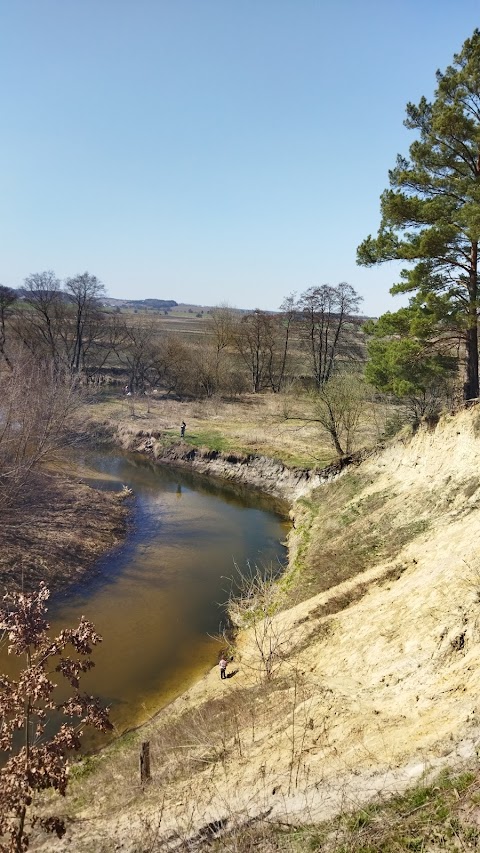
{"x":157,"y":304}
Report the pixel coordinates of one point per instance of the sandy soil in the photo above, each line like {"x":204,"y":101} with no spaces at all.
{"x":367,"y":700}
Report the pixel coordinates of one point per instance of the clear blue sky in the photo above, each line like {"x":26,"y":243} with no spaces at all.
{"x":209,"y":151}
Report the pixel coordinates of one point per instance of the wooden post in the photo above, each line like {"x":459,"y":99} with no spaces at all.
{"x":145,"y":762}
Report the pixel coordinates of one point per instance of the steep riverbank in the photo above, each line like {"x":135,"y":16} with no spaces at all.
{"x":255,"y":471}
{"x":379,"y":667}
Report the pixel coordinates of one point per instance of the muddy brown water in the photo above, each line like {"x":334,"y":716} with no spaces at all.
{"x":157,"y":600}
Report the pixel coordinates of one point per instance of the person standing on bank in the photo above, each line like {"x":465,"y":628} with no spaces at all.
{"x":223,"y":667}
{"x":182,"y":429}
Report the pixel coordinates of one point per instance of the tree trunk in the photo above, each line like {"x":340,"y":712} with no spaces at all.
{"x":145,"y":775}
{"x":333,"y":430}
{"x":471,"y":386}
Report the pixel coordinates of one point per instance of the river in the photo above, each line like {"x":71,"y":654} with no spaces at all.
{"x":158,"y":600}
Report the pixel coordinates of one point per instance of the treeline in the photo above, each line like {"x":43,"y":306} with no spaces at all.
{"x":59,"y":323}
{"x":63,"y":324}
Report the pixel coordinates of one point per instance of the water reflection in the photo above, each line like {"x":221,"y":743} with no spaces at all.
{"x":156,"y":599}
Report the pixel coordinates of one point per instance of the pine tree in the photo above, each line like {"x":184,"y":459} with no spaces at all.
{"x":431,"y":213}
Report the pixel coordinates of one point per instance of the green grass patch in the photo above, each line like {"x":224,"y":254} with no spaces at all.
{"x":82,"y":769}
{"x":212,"y":439}
{"x":340,"y":532}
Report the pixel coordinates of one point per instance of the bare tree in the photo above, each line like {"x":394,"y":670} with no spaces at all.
{"x":323,"y":314}
{"x":166,"y":361}
{"x":105,"y":333}
{"x":39,"y":327}
{"x":208,"y":369}
{"x":254,"y":604}
{"x":339,"y":405}
{"x":221,"y":325}
{"x":176,"y":366}
{"x":35,"y":411}
{"x":287,"y":318}
{"x":258,"y":339}
{"x":65,"y":323}
{"x":138,"y":350}
{"x":84,"y":291}
{"x":7,"y":299}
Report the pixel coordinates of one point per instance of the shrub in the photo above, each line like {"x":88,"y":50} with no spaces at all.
{"x":25,"y":704}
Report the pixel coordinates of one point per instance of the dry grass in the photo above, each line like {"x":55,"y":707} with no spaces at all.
{"x":277,"y":426}
{"x":59,"y":534}
{"x":442,"y":814}
{"x":252,"y":425}
{"x":196,"y":747}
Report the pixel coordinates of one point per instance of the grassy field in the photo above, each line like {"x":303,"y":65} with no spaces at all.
{"x":280,"y":426}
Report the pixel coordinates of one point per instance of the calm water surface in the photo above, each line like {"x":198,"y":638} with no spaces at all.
{"x":156,"y":599}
